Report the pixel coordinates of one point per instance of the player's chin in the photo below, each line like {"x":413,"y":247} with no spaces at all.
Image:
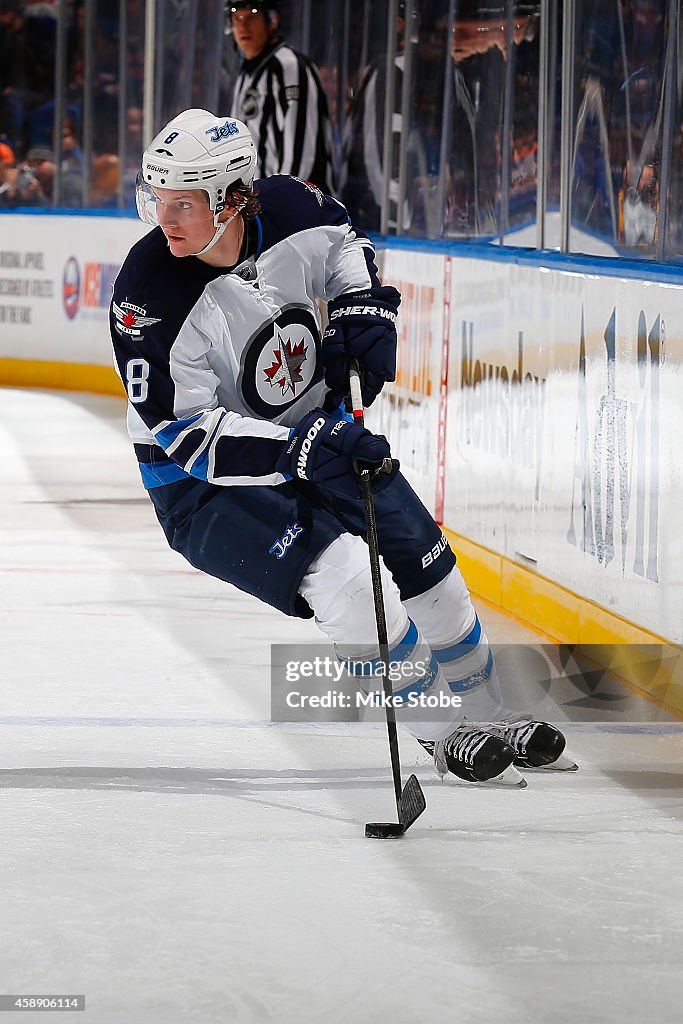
{"x":178,"y":246}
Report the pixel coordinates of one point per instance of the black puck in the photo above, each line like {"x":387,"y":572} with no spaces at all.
{"x":384,"y":830}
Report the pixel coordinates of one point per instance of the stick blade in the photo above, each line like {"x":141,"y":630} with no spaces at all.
{"x":412,"y":802}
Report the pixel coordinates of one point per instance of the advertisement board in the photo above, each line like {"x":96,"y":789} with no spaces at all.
{"x":56,"y":277}
{"x":563,"y":423}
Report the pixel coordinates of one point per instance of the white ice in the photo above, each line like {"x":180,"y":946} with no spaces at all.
{"x":173,"y":855}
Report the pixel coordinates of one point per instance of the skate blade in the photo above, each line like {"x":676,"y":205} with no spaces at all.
{"x":510,"y":777}
{"x":564,"y":763}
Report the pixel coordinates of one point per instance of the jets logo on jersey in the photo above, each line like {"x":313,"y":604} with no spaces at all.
{"x":281,"y":363}
{"x":283,"y":544}
{"x":285,"y":371}
{"x":131,"y":319}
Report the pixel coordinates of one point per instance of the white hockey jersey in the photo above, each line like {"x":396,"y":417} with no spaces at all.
{"x":218,"y":364}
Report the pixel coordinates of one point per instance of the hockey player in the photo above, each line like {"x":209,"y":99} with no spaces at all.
{"x":280,"y":97}
{"x":233,"y":411}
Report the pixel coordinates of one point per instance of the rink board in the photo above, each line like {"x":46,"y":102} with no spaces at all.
{"x":536,"y":409}
{"x":56,"y":277}
{"x":540,"y":418}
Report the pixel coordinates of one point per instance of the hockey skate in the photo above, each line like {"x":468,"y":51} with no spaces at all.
{"x":474,"y":755}
{"x":536,"y":744}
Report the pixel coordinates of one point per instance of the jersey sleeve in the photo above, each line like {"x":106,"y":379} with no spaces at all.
{"x":354,"y":268}
{"x":164,"y":363}
{"x":292,"y":205}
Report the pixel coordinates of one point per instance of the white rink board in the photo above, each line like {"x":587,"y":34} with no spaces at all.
{"x":409,"y":415}
{"x":562,"y":454}
{"x":56,"y":277}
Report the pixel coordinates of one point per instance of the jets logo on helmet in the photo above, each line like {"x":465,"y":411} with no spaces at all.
{"x":222,"y":131}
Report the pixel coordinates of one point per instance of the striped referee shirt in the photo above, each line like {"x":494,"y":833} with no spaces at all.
{"x":280,"y":98}
{"x":361,"y":178}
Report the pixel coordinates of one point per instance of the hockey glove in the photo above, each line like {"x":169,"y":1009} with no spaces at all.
{"x":362,"y":326}
{"x":323,"y":449}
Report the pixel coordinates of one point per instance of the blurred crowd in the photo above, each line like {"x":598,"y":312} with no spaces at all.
{"x":463,"y":142}
{"x":37,"y":167}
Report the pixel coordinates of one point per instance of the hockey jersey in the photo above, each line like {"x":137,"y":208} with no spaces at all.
{"x":219,"y":363}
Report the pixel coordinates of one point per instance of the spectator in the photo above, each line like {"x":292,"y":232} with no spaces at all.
{"x":12,"y":46}
{"x":6,"y":153}
{"x":19,"y":186}
{"x":479,"y":52}
{"x":34,"y":182}
{"x":280,"y":97}
{"x":27,"y":54}
{"x":104,"y":193}
{"x":132,"y":153}
{"x":134,"y":132}
{"x":8,"y":174}
{"x":639,"y":207}
{"x":72,"y":154}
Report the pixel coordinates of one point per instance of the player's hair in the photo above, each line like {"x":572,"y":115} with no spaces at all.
{"x":252,"y":203}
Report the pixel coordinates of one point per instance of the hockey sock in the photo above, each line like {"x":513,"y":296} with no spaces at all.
{"x":338,"y":587}
{"x":423,"y":701}
{"x":447,"y":617}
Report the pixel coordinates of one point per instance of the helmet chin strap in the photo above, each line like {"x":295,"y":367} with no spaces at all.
{"x":220,"y":227}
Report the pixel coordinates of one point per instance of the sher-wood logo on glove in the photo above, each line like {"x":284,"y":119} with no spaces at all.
{"x":325,"y":450}
{"x":361,"y":326}
{"x":387,"y":314}
{"x":310,"y":437}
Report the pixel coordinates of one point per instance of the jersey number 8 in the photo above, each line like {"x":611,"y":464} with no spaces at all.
{"x":137,"y":373}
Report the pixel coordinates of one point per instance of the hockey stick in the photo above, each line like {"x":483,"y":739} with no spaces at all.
{"x":410,"y":800}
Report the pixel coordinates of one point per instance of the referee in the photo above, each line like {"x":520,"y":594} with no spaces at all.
{"x":280,"y":97}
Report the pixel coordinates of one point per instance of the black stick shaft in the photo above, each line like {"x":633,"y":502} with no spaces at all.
{"x":378,"y":597}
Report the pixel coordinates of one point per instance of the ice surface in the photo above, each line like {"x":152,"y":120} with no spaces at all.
{"x":175,"y":856}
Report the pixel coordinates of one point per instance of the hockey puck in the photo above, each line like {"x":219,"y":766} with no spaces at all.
{"x":384,"y":830}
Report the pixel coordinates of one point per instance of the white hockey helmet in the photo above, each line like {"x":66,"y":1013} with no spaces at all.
{"x":196,"y":150}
